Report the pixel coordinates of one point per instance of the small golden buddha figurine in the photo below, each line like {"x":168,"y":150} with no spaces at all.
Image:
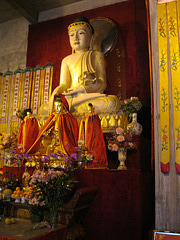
{"x":28,"y":132}
{"x":50,"y":141}
{"x":90,"y":132}
{"x":61,"y":129}
{"x":58,"y":109}
{"x":38,"y":167}
{"x":25,"y":177}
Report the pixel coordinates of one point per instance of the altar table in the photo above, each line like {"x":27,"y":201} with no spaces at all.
{"x":21,"y":230}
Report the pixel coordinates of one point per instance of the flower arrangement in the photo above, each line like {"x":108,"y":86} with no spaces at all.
{"x":22,"y":114}
{"x":16,"y":159}
{"x":121,"y":140}
{"x":78,"y":159}
{"x":130,"y":106}
{"x":51,"y":189}
{"x":20,"y":158}
{"x":54,"y":187}
{"x":37,"y":210}
{"x":8,"y":141}
{"x":8,"y":144}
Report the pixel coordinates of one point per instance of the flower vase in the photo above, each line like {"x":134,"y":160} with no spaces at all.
{"x":134,"y":126}
{"x":122,"y":155}
{"x":53,"y":214}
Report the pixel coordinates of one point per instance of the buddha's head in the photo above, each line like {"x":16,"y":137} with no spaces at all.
{"x":28,"y":112}
{"x":57,"y":103}
{"x":80,"y":34}
{"x":60,"y":103}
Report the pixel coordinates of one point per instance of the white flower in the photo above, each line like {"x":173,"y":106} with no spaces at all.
{"x":80,"y":142}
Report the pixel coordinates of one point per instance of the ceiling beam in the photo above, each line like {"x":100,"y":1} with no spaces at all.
{"x":25,"y":10}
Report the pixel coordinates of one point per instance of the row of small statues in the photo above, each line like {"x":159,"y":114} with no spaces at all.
{"x":61,"y":133}
{"x":108,"y":121}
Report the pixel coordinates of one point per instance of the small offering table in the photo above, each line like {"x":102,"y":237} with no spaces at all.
{"x":22,"y":230}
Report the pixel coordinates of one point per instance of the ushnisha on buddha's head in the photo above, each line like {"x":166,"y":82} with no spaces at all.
{"x":80,"y":34}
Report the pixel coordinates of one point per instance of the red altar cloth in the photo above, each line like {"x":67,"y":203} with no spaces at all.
{"x":123,"y":207}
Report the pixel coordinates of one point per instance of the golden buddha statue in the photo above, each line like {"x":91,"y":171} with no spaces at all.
{"x":25,"y":178}
{"x":55,"y":144}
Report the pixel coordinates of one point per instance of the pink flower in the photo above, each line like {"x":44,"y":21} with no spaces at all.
{"x":119,"y":130}
{"x":42,"y":203}
{"x":165,"y":138}
{"x":37,"y":177}
{"x":120,"y":138}
{"x":34,"y":201}
{"x":51,"y":174}
{"x":114,"y":147}
{"x":4,"y":142}
{"x":131,"y":144}
{"x":59,"y":173}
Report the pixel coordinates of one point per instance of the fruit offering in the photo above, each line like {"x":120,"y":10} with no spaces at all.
{"x":17,"y":193}
{"x":9,"y":221}
{"x":27,"y":192}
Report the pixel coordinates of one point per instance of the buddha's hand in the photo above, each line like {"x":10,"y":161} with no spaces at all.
{"x":74,"y":91}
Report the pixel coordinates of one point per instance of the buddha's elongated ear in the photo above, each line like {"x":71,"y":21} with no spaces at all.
{"x":91,"y":42}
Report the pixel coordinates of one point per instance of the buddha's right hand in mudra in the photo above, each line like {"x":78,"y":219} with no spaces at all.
{"x":83,"y":75}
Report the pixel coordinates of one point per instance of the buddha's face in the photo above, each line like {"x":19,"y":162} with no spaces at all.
{"x":80,"y":38}
{"x":57,"y":106}
{"x":28,"y":114}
